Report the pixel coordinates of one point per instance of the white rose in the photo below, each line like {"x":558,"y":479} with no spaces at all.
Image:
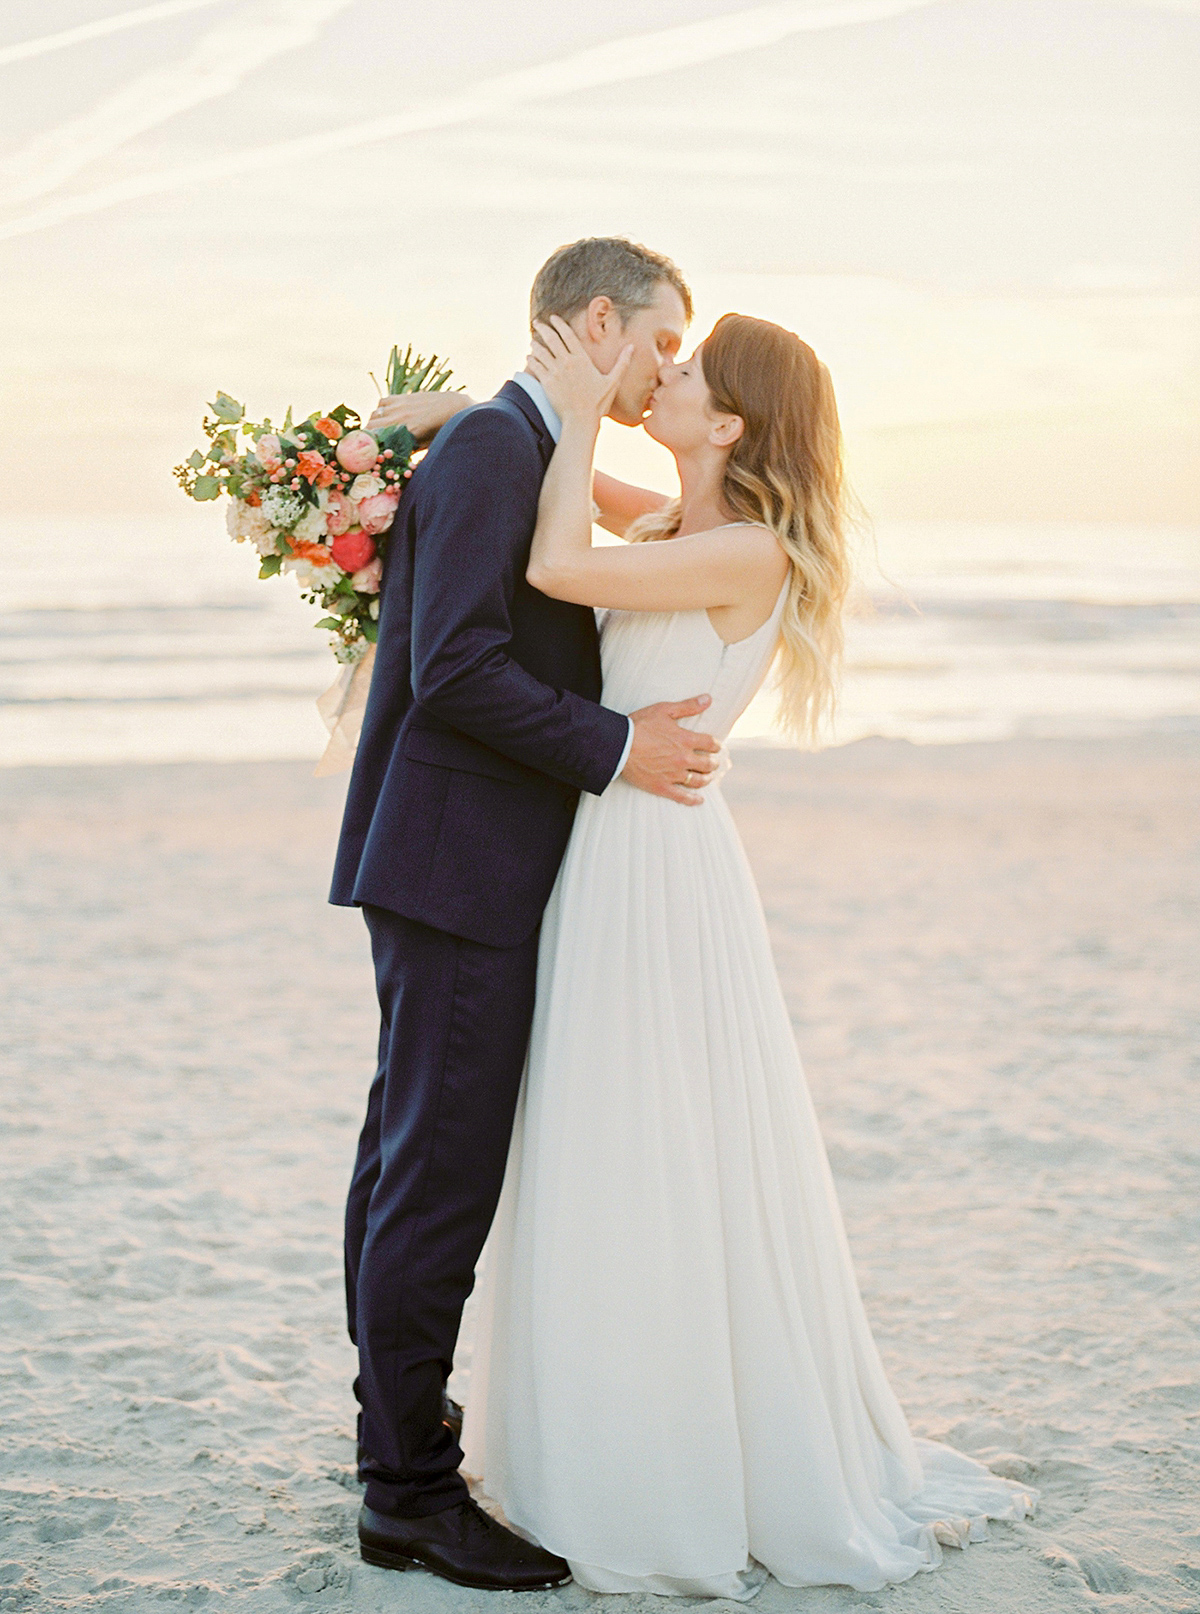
{"x":244,"y":521}
{"x":265,"y":539}
{"x":312,"y":577}
{"x":365,"y":486}
{"x":311,"y":526}
{"x":259,"y":530}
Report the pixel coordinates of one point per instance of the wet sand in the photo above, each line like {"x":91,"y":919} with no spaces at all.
{"x":990,"y":953}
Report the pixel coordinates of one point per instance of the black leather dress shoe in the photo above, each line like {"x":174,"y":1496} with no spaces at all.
{"x":452,"y":1416}
{"x":464,"y":1544}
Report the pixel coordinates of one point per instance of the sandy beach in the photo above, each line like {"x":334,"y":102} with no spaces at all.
{"x":990,"y":952}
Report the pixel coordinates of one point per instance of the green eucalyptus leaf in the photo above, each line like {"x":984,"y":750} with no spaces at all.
{"x":329,"y":622}
{"x":369,"y":630}
{"x":227,"y":410}
{"x":270,"y":565}
{"x":207,"y":487}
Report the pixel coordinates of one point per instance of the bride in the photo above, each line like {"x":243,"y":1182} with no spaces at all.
{"x":674,"y":1384}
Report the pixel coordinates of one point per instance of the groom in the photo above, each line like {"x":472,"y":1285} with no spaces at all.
{"x":482,"y":727}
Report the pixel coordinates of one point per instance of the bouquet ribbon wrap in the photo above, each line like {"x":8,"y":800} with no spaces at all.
{"x":341,"y":708}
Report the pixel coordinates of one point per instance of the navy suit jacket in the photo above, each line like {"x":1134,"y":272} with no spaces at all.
{"x":483,"y":723}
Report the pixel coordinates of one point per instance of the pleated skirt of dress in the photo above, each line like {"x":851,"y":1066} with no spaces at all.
{"x":674,"y":1383}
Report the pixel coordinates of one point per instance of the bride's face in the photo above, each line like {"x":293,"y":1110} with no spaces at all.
{"x":682,"y":417}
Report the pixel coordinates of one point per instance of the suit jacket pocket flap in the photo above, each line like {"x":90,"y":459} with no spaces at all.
{"x":448,"y":749}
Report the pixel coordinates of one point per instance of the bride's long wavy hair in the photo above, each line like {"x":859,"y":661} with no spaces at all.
{"x":785,"y":472}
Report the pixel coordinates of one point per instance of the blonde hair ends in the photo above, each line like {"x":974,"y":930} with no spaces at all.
{"x":786,"y":473}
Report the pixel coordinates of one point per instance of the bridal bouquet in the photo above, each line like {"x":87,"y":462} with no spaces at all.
{"x":316,"y":499}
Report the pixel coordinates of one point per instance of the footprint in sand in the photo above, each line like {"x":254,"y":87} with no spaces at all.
{"x":1103,"y":1571}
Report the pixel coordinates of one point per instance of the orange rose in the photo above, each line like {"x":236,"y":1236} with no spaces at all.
{"x":314,"y":554}
{"x":328,"y":427}
{"x":310,"y":464}
{"x":325,"y":476}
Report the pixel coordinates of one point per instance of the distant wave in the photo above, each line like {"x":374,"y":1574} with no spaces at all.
{"x":954,"y":663}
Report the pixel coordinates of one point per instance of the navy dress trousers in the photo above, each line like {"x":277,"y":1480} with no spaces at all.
{"x":482,"y":727}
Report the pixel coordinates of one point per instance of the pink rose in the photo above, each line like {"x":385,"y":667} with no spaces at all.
{"x":353,"y":550}
{"x":339,"y":514}
{"x":375,"y":514}
{"x":357,"y":452}
{"x":368,"y":579}
{"x":269,"y":451}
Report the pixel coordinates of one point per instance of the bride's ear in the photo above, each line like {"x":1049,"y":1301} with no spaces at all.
{"x":726,"y":430}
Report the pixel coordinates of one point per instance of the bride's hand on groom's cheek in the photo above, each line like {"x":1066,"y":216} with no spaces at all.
{"x":573,"y":384}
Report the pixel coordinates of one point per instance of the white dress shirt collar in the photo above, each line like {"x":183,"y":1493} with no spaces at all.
{"x":545,"y":408}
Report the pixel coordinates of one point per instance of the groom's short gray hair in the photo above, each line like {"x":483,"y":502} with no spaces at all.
{"x":603,"y":266}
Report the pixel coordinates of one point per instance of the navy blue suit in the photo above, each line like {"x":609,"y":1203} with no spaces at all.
{"x":482,"y":727}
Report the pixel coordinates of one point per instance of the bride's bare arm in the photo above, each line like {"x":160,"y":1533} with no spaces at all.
{"x":726,"y":566}
{"x":621,"y":503}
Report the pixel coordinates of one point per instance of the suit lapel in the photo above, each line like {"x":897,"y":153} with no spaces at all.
{"x":513,"y":394}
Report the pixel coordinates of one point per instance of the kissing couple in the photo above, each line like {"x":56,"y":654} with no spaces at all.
{"x":584,"y":1050}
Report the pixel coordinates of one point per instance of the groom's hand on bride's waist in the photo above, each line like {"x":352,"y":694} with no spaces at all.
{"x":665,"y":758}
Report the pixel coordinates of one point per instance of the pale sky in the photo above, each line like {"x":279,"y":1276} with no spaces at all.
{"x":982,"y":213}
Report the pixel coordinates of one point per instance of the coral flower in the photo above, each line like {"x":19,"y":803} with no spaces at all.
{"x":310,"y":465}
{"x":314,"y":554}
{"x":325,"y":476}
{"x":353,"y":550}
{"x":328,"y":427}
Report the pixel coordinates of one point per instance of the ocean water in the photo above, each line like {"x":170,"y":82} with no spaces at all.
{"x":144,"y":640}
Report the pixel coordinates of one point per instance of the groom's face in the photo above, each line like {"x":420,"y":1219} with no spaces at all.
{"x":655,"y":334}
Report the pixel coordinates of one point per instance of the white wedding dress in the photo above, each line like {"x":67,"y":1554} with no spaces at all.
{"x":674,"y":1385}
